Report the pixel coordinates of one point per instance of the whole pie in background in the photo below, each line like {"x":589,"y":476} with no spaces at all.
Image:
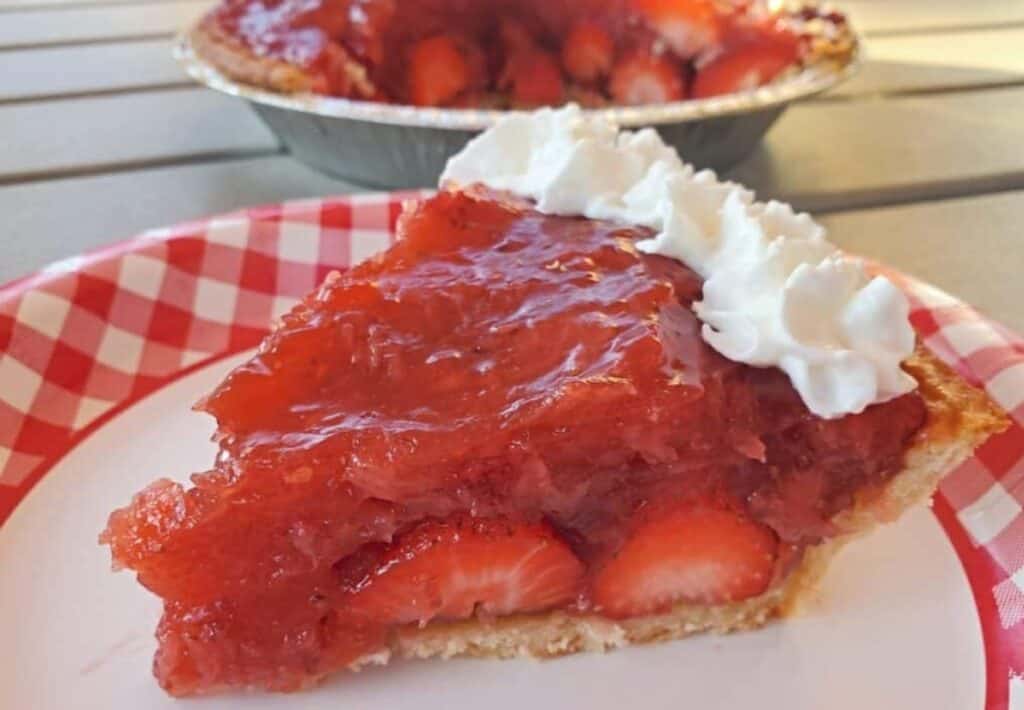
{"x":516,"y":53}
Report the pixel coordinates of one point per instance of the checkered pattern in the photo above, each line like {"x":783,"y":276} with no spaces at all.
{"x":90,"y":335}
{"x":985,"y":494}
{"x":987,"y":491}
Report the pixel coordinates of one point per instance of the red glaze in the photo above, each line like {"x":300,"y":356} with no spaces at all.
{"x":335,"y":40}
{"x":494,"y":362}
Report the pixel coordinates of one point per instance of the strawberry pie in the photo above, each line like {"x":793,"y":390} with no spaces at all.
{"x":571,"y":409}
{"x":516,"y":53}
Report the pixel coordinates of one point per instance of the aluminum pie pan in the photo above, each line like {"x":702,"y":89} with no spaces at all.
{"x":395,"y":146}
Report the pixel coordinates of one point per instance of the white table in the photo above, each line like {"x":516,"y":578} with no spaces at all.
{"x":918,"y":161}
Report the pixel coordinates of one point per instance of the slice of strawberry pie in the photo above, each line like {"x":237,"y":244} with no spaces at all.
{"x":576,"y":408}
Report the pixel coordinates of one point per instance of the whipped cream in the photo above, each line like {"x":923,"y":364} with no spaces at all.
{"x":776,"y":292}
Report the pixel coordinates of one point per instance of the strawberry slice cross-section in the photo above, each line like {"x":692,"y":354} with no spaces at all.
{"x":697,"y":554}
{"x":455,"y":568}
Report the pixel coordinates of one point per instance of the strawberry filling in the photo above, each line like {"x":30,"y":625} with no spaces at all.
{"x":521,"y":53}
{"x":505,"y":412}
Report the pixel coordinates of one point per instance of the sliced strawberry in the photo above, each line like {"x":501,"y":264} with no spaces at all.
{"x":643,"y":78}
{"x":588,"y":52}
{"x":746,"y":66}
{"x":696,"y":554}
{"x":438,"y":71}
{"x":534,"y":78}
{"x":453,"y":568}
{"x":688,"y":27}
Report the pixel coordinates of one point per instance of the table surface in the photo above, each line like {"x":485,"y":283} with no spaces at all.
{"x":917,"y":161}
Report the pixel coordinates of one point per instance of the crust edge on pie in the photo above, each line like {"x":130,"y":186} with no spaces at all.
{"x":960,"y":418}
{"x":229,"y":56}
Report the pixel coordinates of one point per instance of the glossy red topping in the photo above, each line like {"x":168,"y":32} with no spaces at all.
{"x":496,"y":363}
{"x":520,"y":52}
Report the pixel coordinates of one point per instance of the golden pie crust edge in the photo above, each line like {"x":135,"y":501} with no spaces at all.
{"x":232,"y":58}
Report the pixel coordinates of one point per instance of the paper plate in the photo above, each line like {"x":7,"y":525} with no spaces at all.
{"x":102,"y":355}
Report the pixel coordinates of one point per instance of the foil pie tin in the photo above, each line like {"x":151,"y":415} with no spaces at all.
{"x":390,"y":146}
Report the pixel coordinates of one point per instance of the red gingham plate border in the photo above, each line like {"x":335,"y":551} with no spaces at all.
{"x":89,"y":336}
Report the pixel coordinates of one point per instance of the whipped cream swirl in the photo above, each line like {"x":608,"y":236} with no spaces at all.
{"x":776,"y":292}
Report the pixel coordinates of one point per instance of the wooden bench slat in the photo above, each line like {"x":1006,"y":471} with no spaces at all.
{"x":90,"y":68}
{"x":842,"y":155}
{"x":969,"y":247}
{"x":939,"y":61}
{"x":56,"y":138}
{"x":35,"y":28}
{"x":902,"y":16}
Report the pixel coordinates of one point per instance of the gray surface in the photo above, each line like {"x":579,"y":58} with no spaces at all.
{"x":830,"y":156}
{"x":101,"y":22}
{"x":973,"y":247}
{"x":56,"y":137}
{"x":889,"y":16}
{"x":101,"y":67}
{"x":52,"y":4}
{"x":999,"y":48}
{"x":879,"y":77}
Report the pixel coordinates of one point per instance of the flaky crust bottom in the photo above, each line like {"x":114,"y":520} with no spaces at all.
{"x":960,"y":418}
